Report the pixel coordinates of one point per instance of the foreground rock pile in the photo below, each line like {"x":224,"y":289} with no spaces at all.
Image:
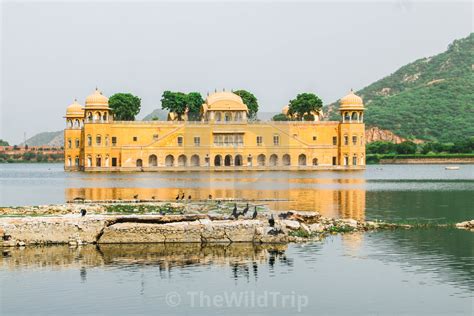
{"x":468,"y":225}
{"x":65,"y":225}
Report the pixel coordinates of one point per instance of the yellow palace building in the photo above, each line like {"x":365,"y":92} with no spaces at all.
{"x":223,"y":139}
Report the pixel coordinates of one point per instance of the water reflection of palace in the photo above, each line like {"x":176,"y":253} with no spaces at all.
{"x":346,"y":199}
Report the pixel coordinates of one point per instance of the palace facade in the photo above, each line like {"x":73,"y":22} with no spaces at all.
{"x":223,"y":139}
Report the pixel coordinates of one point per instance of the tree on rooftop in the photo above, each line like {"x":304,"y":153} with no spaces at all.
{"x":125,"y":106}
{"x":304,"y":104}
{"x":250,"y":100}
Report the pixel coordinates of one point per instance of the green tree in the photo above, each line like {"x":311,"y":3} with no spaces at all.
{"x":380,"y":147}
{"x":125,"y":106}
{"x":194,"y":102}
{"x":407,"y":147}
{"x":4,"y":143}
{"x":28,"y":156}
{"x":250,"y":100}
{"x":304,"y":104}
{"x":174,"y":102}
{"x":280,"y":117}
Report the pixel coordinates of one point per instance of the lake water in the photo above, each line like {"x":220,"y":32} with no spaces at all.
{"x":418,"y":271}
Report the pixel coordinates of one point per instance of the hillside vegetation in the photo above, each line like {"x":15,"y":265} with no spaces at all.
{"x":429,"y":99}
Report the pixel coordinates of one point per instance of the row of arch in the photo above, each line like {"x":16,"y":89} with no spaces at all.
{"x":226,"y":161}
{"x":74,"y":124}
{"x":97,"y":117}
{"x":357,"y":116}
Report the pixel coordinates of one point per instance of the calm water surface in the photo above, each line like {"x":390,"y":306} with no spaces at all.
{"x":420,"y":271}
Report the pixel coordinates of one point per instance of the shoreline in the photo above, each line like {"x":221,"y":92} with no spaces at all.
{"x":160,"y":222}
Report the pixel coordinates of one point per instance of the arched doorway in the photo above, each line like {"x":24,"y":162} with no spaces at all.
{"x":302,"y":160}
{"x":261,"y":160}
{"x":169,"y":161}
{"x":139,"y":163}
{"x":228,"y":160}
{"x":195,"y":161}
{"x":238,"y":160}
{"x":218,"y":160}
{"x":273,"y":161}
{"x":315,"y":161}
{"x":152,"y":161}
{"x":286,"y":160}
{"x":182,"y":161}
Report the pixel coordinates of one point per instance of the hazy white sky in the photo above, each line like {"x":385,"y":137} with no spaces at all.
{"x":55,"y":51}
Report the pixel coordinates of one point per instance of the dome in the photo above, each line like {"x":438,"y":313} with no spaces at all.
{"x":75,"y":109}
{"x":224,"y":101}
{"x":351,"y":101}
{"x":285,"y":110}
{"x":97,"y":99}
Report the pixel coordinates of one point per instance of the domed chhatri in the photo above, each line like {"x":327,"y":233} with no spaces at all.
{"x":97,"y":99}
{"x":75,"y":109}
{"x":351,"y":101}
{"x":225,"y":101}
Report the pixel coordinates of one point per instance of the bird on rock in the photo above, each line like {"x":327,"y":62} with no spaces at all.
{"x":235,"y":214}
{"x":135,"y":196}
{"x":246,"y":209}
{"x":177,"y":197}
{"x":182,"y":196}
{"x":83,"y":212}
{"x":254,"y":215}
{"x":189,"y":197}
{"x":271,"y":221}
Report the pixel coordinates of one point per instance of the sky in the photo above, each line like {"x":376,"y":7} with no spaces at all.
{"x":53,"y":52}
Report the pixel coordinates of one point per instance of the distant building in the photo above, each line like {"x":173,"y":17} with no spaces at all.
{"x":223,"y":139}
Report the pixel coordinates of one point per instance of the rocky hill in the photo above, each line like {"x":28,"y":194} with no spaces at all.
{"x":429,"y":99}
{"x":46,"y":139}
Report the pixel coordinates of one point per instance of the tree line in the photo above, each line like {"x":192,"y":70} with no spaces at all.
{"x":126,"y":105}
{"x":462,"y":146}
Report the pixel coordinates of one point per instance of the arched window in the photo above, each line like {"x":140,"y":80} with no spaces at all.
{"x":139,"y":163}
{"x":104,"y":117}
{"x":169,"y":161}
{"x":77,"y":124}
{"x":238,"y":116}
{"x":347,"y":116}
{"x":97,"y":117}
{"x":286,"y":160}
{"x":107,"y":140}
{"x":261,"y":160}
{"x":346,"y":140}
{"x":355,"y":116}
{"x":228,"y":116}
{"x":107,"y":160}
{"x":89,"y":140}
{"x":98,"y":140}
{"x":195,"y":161}
{"x":98,"y":161}
{"x":89,"y":161}
{"x":218,"y":160}
{"x":302,"y":160}
{"x":354,"y":140}
{"x":238,"y":160}
{"x":78,"y":143}
{"x":228,"y":160}
{"x":354,"y":160}
{"x":315,"y":161}
{"x":152,"y":161}
{"x":69,"y":143}
{"x":69,"y":161}
{"x":76,"y":161}
{"x":273,"y":161}
{"x":218,"y":116}
{"x":182,"y":161}
{"x":69,"y":123}
{"x":89,"y":116}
